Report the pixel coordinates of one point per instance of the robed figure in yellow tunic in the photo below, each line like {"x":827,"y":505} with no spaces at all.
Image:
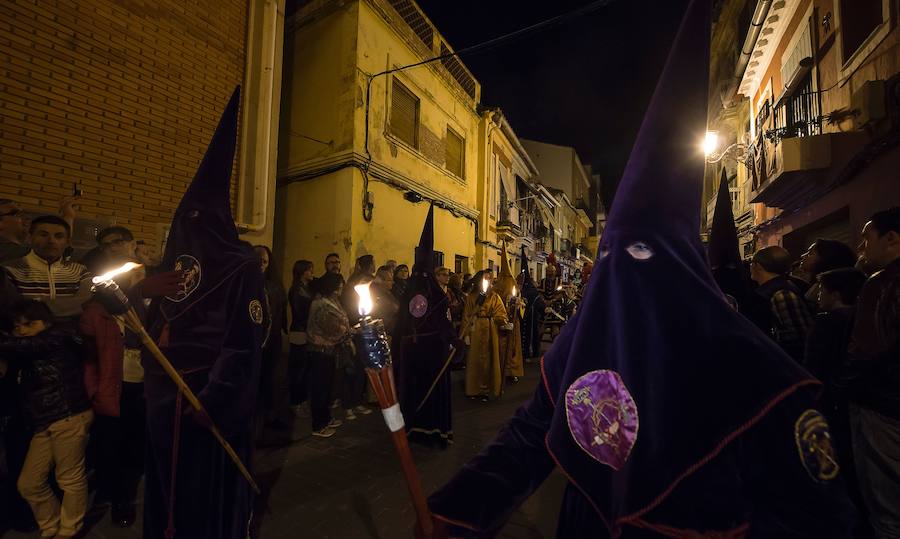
{"x":482,"y":319}
{"x":510,"y":341}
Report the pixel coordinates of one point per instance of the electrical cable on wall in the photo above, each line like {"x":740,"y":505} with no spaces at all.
{"x":478,"y":47}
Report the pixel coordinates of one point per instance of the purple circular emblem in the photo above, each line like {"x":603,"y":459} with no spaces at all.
{"x":602,"y":416}
{"x":418,"y":306}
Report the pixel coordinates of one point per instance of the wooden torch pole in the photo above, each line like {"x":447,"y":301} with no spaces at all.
{"x":134,"y":323}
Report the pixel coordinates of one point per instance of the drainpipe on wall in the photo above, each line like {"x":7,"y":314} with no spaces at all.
{"x":756,"y":25}
{"x":261,"y":100}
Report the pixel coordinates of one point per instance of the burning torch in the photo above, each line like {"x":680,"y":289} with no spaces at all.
{"x":116,"y":303}
{"x":375,"y":353}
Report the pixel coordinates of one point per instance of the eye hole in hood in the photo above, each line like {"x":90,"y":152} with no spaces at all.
{"x":640,"y":251}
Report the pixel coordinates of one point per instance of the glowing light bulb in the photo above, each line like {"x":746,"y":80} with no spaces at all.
{"x":710,"y":143}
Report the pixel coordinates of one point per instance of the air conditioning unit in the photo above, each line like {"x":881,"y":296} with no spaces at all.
{"x":869,"y":100}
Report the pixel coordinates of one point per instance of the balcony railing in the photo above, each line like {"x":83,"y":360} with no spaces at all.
{"x":798,"y":116}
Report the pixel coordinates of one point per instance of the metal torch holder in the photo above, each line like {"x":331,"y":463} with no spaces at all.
{"x":374,"y":351}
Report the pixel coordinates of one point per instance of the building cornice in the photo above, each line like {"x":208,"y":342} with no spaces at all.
{"x":777,"y":21}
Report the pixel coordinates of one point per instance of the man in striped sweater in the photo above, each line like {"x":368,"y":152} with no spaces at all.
{"x":44,"y":274}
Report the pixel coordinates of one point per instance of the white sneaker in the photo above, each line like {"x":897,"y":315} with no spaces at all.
{"x":335,"y":423}
{"x":350,"y":416}
{"x":363,"y":410}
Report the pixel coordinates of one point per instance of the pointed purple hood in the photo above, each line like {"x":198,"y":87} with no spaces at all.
{"x":424,"y":308}
{"x":656,"y":373}
{"x":203,"y":240}
{"x":724,"y":249}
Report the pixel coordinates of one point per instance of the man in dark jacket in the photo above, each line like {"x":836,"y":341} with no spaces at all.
{"x":56,"y":407}
{"x":790,"y":315}
{"x":875,"y":352}
{"x":300,"y":297}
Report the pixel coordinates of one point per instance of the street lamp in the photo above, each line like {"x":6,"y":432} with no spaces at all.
{"x":710,"y":143}
{"x":736,"y":151}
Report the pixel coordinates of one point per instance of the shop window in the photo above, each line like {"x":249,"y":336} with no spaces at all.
{"x":461,"y":264}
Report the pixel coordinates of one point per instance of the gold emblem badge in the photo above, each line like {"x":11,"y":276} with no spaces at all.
{"x":814,"y":446}
{"x":256,"y":311}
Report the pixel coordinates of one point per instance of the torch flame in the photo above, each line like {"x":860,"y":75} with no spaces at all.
{"x":111,"y":274}
{"x":365,"y":299}
{"x":484,"y":286}
{"x":558,"y":288}
{"x":514,"y":291}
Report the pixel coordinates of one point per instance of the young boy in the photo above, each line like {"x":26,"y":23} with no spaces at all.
{"x":55,"y":404}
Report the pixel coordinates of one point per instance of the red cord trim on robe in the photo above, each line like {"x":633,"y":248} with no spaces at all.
{"x":631,"y":519}
{"x":576,"y":485}
{"x":459,"y":523}
{"x":679,"y":533}
{"x":547,"y":383}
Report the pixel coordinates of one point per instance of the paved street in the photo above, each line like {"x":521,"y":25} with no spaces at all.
{"x":350,"y":486}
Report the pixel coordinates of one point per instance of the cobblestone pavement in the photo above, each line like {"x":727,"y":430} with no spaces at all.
{"x":350,"y":485}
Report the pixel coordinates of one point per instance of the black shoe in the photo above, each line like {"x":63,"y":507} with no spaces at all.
{"x":25,"y":525}
{"x":123,"y":515}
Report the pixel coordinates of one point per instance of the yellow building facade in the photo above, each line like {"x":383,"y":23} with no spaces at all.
{"x":365,"y":143}
{"x":505,"y":173}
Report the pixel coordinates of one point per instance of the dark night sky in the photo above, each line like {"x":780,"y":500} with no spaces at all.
{"x":584,"y":83}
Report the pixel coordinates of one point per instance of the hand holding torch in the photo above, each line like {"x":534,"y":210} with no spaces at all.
{"x":375,"y":353}
{"x":116,"y":302}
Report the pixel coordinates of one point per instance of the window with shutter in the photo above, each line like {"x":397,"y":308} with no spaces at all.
{"x":455,"y":153}
{"x":404,"y":114}
{"x":860,"y":19}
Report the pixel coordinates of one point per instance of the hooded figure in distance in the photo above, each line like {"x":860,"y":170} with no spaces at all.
{"x":669,"y":413}
{"x":421,"y":345}
{"x":728,"y":266}
{"x":212,"y":331}
{"x":510,"y":341}
{"x":534,"y":311}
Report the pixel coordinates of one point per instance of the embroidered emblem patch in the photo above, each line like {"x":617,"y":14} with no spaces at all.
{"x":602,"y":417}
{"x":418,"y":306}
{"x":814,"y":446}
{"x":256,"y":311}
{"x":192,"y":274}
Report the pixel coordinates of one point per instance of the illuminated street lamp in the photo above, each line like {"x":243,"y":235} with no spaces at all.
{"x":736,"y":151}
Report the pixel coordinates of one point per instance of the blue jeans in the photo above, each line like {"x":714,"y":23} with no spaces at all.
{"x":876,"y":451}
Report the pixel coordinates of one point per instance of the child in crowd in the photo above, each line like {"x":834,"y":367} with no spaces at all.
{"x":56,"y":407}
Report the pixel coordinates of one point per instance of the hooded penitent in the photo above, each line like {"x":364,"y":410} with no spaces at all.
{"x":726,"y":262}
{"x":422,"y":342}
{"x":657,"y":372}
{"x":656,"y":396}
{"x":511,"y":341}
{"x":534,"y":307}
{"x":212,"y":331}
